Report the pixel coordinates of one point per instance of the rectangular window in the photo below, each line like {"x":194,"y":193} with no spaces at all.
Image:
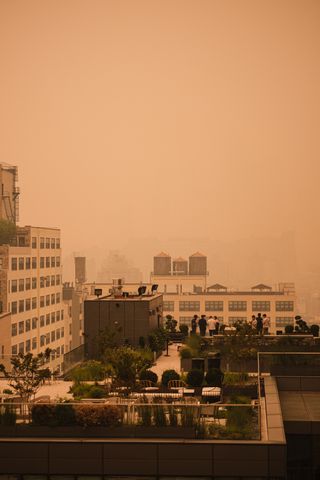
{"x":53,"y":317}
{"x":41,"y":262}
{"x":21,"y":348}
{"x":62,"y":314}
{"x":284,"y":306}
{"x":28,"y":346}
{"x":34,"y":323}
{"x":41,"y":301}
{"x":53,"y":280}
{"x":58,"y":298}
{"x":189,"y":306}
{"x":34,"y":242}
{"x":57,"y":242}
{"x":21,"y":263}
{"x":14,"y":350}
{"x":53,"y":243}
{"x":58,"y":333}
{"x":215,"y":306}
{"x":284,"y":321}
{"x":183,"y":321}
{"x":28,"y":325}
{"x":53,"y":336}
{"x":53,"y":299}
{"x":58,"y":261}
{"x":21,"y":284}
{"x":28,"y":304}
{"x":48,"y":319}
{"x":42,"y":321}
{"x":42,"y":280}
{"x":62,"y":349}
{"x":47,"y":262}
{"x":14,"y":308}
{"x":47,"y":338}
{"x":13,"y":329}
{"x":41,"y":242}
{"x":47,"y":242}
{"x":34,"y":343}
{"x":14,"y":263}
{"x":28,"y":263}
{"x":168,"y":306}
{"x":62,"y":332}
{"x":235,"y":306}
{"x":21,"y":306}
{"x":261,"y":306}
{"x":14,"y":286}
{"x":34,"y":282}
{"x":57,"y":279}
{"x":21,"y":328}
{"x":34,"y":303}
{"x":48,"y":281}
{"x":42,"y":340}
{"x":233,"y":320}
{"x":34,"y":262}
{"x":28,"y":283}
{"x":53,"y":261}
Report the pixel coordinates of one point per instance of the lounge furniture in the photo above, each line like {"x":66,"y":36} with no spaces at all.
{"x":148,"y":386}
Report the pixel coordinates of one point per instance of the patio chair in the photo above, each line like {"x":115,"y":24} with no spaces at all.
{"x":176,"y":384}
{"x":148,"y":386}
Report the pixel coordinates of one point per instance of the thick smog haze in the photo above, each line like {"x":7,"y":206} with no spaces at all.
{"x":142,"y":126}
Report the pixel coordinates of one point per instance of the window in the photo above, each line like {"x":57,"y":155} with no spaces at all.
{"x":21,"y":263}
{"x":284,"y":306}
{"x":58,"y":333}
{"x":57,"y":242}
{"x":34,"y":343}
{"x":184,"y":321}
{"x":28,"y":324}
{"x":34,"y":323}
{"x":28,"y":346}
{"x":47,"y":242}
{"x":21,"y":284}
{"x":62,"y":332}
{"x":235,"y":306}
{"x":21,"y":306}
{"x":53,"y":299}
{"x":62,"y":349}
{"x":48,"y":319}
{"x":14,"y":350}
{"x":41,"y":320}
{"x":14,"y":263}
{"x":21,"y":348}
{"x":57,"y":279}
{"x":48,"y":281}
{"x":216,"y":306}
{"x":58,"y":316}
{"x":21,"y":328}
{"x":47,"y":262}
{"x":14,"y":286}
{"x":58,"y":261}
{"x":53,"y":280}
{"x":58,"y":351}
{"x":34,"y":303}
{"x":168,"y":306}
{"x":189,"y":306}
{"x":41,"y":301}
{"x":47,"y":338}
{"x":34,"y":282}
{"x":53,"y":336}
{"x":28,"y":283}
{"x":283,"y":321}
{"x":42,"y":340}
{"x":34,"y":262}
{"x":261,"y":306}
{"x":53,"y":261}
{"x":41,"y":242}
{"x":42,"y":279}
{"x":34,"y":242}
{"x":53,"y":317}
{"x":233,"y":320}
{"x":58,"y":298}
{"x":13,"y":329}
{"x":41,"y":262}
{"x":53,"y":243}
{"x":62,"y":314}
{"x":28,"y":304}
{"x":14,"y":308}
{"x":28,"y":263}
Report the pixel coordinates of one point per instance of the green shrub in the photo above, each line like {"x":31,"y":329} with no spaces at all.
{"x":42,"y":414}
{"x":88,"y":371}
{"x":142,"y":342}
{"x":169,"y":375}
{"x":64,"y":414}
{"x":184,"y":329}
{"x":7,"y":391}
{"x":80,"y":390}
{"x":159,"y":416}
{"x":148,"y":375}
{"x":98,"y":415}
{"x":234,"y":378}
{"x":195,"y":378}
{"x":97,"y":392}
{"x":214,"y":377}
{"x":145,"y":418}
{"x":314,"y":329}
{"x":288,"y":329}
{"x":185,"y":352}
{"x":8,"y":416}
{"x":173,"y":416}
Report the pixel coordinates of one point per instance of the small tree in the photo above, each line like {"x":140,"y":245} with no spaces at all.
{"x":171,"y":324}
{"x":7,"y":231}
{"x":27,"y":373}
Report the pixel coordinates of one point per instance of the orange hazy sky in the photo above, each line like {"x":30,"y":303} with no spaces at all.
{"x":137,"y":118}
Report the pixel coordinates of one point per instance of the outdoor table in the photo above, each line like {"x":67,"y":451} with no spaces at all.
{"x":211,"y":394}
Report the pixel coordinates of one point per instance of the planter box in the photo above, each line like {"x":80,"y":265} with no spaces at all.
{"x":242,"y":390}
{"x":125,"y":431}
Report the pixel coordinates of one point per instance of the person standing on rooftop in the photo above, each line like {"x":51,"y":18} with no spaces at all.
{"x":203,"y":325}
{"x":211,"y":325}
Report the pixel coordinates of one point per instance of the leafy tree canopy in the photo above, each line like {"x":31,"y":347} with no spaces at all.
{"x":7,"y":231}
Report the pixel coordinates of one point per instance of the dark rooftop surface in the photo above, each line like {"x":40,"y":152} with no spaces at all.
{"x":300,"y":406}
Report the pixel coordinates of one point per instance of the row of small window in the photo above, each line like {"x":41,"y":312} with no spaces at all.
{"x":46,"y":242}
{"x":28,"y":345}
{"x":280,"y":321}
{"x":51,"y":336}
{"x":26,"y":325}
{"x":31,"y":303}
{"x":233,"y":306}
{"x":25,"y":263}
{"x":28,"y":283}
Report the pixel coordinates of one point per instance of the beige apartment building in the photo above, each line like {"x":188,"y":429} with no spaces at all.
{"x":32,"y":311}
{"x":9,"y":198}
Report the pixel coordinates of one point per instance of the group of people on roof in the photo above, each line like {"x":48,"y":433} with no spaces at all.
{"x":260,"y":323}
